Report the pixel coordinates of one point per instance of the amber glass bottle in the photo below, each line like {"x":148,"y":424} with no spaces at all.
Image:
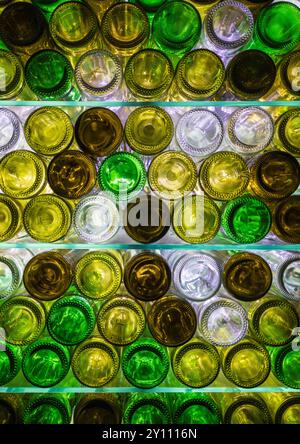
{"x":286,"y":219}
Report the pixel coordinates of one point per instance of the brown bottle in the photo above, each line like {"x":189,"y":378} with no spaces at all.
{"x":98,"y":409}
{"x":286,"y":219}
{"x":147,"y":276}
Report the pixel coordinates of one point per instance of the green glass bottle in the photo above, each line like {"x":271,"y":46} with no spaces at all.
{"x":150,"y":5}
{"x":273,"y":320}
{"x":47,"y":409}
{"x":47,"y":6}
{"x":122,"y":174}
{"x":100,"y":408}
{"x":145,"y":363}
{"x":10,"y":409}
{"x":71,"y":320}
{"x":285,"y":363}
{"x":10,"y":217}
{"x":246,"y":219}
{"x":10,"y":362}
{"x":195,"y":408}
{"x":277,"y":28}
{"x":144,"y":408}
{"x":176,"y":27}
{"x":45,"y":363}
{"x":196,"y":364}
{"x":12,"y":77}
{"x":286,"y":135}
{"x":121,"y":320}
{"x":243,"y":408}
{"x":50,"y":76}
{"x":22,"y":319}
{"x":95,"y":362}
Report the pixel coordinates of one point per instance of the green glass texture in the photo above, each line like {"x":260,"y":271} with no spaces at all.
{"x":49,"y":75}
{"x":45,"y":363}
{"x":277,"y":29}
{"x":150,"y":5}
{"x":47,"y":409}
{"x":196,"y":408}
{"x":145,"y":363}
{"x":123,"y":175}
{"x":146,"y":409}
{"x":48,"y":6}
{"x":176,"y":27}
{"x":246,"y":220}
{"x":285,"y":364}
{"x":10,"y":362}
{"x":71,"y":320}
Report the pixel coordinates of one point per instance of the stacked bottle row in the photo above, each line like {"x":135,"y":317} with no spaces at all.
{"x":197,"y":408}
{"x":174,"y":321}
{"x":70,"y":58}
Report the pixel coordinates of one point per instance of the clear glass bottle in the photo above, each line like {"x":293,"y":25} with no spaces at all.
{"x":287,"y":278}
{"x":10,"y":129}
{"x":12,"y":266}
{"x":12,"y":78}
{"x":286,"y":135}
{"x":288,"y":83}
{"x":10,"y":217}
{"x":199,"y":132}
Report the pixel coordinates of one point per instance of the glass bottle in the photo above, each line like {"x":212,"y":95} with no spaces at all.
{"x":12,"y":265}
{"x":287,"y":278}
{"x":10,"y":409}
{"x":98,"y":274}
{"x":71,"y":319}
{"x":149,"y":130}
{"x":47,"y":218}
{"x":72,"y":174}
{"x":22,"y":174}
{"x":150,"y":6}
{"x":50,"y":76}
{"x":45,"y":363}
{"x":98,"y":131}
{"x":74,"y":28}
{"x":47,"y":409}
{"x":100,"y":6}
{"x":121,"y":320}
{"x":244,"y":408}
{"x":95,"y":362}
{"x":199,"y":76}
{"x":123,"y":175}
{"x":125,"y":28}
{"x":172,"y":175}
{"x":147,"y":276}
{"x":277,"y":28}
{"x":249,"y":130}
{"x":247,"y":276}
{"x":96,"y":218}
{"x":222,"y":321}
{"x":47,"y":276}
{"x":288,"y":82}
{"x":149,"y":74}
{"x":195,"y":408}
{"x":24,"y":28}
{"x":12,"y":79}
{"x":98,"y":74}
{"x":250,"y":75}
{"x":286,"y":219}
{"x":273,"y":321}
{"x":284,"y":407}
{"x":228,"y":27}
{"x":22,"y":320}
{"x":172,"y":321}
{"x":274,"y":175}
{"x":147,"y":219}
{"x":286,"y":135}
{"x":146,"y":408}
{"x":176,"y":27}
{"x":196,"y":276}
{"x":199,"y":132}
{"x":246,"y":364}
{"x":10,"y":217}
{"x":224,"y":175}
{"x":49,"y":131}
{"x":246,"y":219}
{"x":47,"y":6}
{"x":98,"y":409}
{"x":285,"y":365}
{"x":145,"y":363}
{"x":196,"y":219}
{"x":10,"y":362}
{"x":10,"y":129}
{"x":196,"y":364}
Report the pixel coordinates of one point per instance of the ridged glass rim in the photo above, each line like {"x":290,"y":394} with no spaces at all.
{"x":131,"y":408}
{"x":16,"y":217}
{"x":35,"y":307}
{"x":104,"y":90}
{"x":122,"y":301}
{"x":96,"y":343}
{"x":279,"y":275}
{"x":65,"y":142}
{"x":279,"y":231}
{"x":19,"y":73}
{"x":150,"y":345}
{"x":200,"y":400}
{"x":281,"y":125}
{"x":286,"y":403}
{"x":15,"y":121}
{"x":283,"y":66}
{"x":16,"y":275}
{"x":46,"y":400}
{"x":182,"y":141}
{"x":281,"y":353}
{"x":259,"y":403}
{"x":91,"y":399}
{"x":14,"y":355}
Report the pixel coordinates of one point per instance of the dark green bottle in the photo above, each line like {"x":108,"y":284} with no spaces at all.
{"x":142,"y":408}
{"x":10,"y":362}
{"x":196,"y":408}
{"x":48,"y":409}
